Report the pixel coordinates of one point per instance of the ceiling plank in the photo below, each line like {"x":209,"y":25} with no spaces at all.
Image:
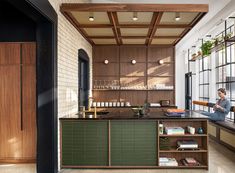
{"x":74,"y":22}
{"x":155,"y":21}
{"x":193,"y":23}
{"x":113,"y":22}
{"x":110,"y":7}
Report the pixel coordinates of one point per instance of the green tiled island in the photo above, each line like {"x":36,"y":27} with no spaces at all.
{"x":121,"y":140}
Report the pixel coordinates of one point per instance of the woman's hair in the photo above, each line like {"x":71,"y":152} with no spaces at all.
{"x":222,"y":90}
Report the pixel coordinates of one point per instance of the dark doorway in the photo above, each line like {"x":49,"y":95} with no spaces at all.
{"x":188,"y":91}
{"x":83,"y":78}
{"x":36,"y":20}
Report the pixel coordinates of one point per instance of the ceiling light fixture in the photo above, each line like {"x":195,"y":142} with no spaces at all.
{"x":135,"y":17}
{"x":91,"y":17}
{"x":177,"y":16}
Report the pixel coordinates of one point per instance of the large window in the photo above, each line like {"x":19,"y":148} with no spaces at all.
{"x":225,"y":70}
{"x":204,"y":70}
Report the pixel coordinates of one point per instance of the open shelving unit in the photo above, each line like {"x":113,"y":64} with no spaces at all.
{"x":141,"y":78}
{"x":201,"y":155}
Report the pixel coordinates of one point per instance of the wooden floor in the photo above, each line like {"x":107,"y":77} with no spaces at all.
{"x":221,"y":160}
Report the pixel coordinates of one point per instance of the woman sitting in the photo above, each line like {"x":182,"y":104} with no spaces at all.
{"x":221,"y":108}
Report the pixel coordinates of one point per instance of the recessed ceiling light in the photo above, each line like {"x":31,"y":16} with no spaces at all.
{"x":91,"y":17}
{"x":135,"y":17}
{"x":177,"y":16}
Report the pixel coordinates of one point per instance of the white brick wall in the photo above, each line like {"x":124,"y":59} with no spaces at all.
{"x":69,"y":42}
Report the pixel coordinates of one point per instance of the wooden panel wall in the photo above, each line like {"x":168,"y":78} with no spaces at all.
{"x":146,"y":71}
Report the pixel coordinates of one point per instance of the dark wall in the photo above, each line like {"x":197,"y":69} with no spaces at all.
{"x":40,"y":24}
{"x":15,"y":26}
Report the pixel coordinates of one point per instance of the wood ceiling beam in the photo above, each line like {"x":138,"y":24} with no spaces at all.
{"x":118,"y":29}
{"x":110,"y":7}
{"x":133,"y":26}
{"x":115,"y":30}
{"x":74,"y":22}
{"x":154,"y":22}
{"x":133,"y":37}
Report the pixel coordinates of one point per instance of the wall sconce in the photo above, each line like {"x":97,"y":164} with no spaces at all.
{"x":133,"y":62}
{"x":161,"y":62}
{"x":106,"y":61}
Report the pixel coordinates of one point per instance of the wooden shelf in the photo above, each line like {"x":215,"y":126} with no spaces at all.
{"x":185,"y":135}
{"x":187,"y":167}
{"x":133,"y":89}
{"x":183,"y":151}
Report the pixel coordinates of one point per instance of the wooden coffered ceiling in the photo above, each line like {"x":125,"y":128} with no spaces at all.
{"x":113,"y":23}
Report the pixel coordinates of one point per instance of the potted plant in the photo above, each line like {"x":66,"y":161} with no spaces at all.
{"x":206,"y":48}
{"x":194,"y":56}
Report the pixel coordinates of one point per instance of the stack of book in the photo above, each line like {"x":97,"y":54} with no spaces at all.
{"x":189,"y":161}
{"x":164,"y":144}
{"x":174,"y":112}
{"x":164,"y":161}
{"x":187,"y":144}
{"x":174,"y":131}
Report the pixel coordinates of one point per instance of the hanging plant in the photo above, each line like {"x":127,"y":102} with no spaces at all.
{"x":206,"y":48}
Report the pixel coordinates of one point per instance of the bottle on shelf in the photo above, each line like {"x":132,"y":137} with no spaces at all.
{"x":160,"y":128}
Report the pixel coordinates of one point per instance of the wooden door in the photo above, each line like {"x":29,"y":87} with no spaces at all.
{"x":29,"y":100}
{"x":10,"y":110}
{"x":17,"y":102}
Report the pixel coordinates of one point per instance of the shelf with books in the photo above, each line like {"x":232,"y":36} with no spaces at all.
{"x":184,"y":135}
{"x":174,"y":150}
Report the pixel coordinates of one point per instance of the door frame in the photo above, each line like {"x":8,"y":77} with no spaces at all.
{"x":45,"y":17}
{"x":83,"y":56}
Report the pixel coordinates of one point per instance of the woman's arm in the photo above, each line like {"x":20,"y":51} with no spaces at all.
{"x":226,"y":108}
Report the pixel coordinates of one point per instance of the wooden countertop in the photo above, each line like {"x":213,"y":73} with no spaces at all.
{"x":128,"y":114}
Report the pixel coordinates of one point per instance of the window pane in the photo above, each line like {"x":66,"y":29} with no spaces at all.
{"x":201,"y":90}
{"x":232,"y":53}
{"x":200,"y":78}
{"x":206,"y":91}
{"x":228,"y":54}
{"x":200,"y":65}
{"x":206,"y":76}
{"x":232,"y":86}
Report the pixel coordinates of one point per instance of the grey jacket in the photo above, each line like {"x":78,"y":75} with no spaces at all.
{"x":225,"y":104}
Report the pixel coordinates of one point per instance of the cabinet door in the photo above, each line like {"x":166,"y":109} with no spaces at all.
{"x":133,"y":143}
{"x":29,"y":100}
{"x":85,"y":143}
{"x":10,"y":120}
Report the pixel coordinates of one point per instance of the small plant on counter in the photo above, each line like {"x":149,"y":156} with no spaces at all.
{"x":206,"y":48}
